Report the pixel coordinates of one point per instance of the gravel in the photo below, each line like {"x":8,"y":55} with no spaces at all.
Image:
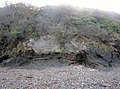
{"x":64,"y":77}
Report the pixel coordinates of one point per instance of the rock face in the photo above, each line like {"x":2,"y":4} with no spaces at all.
{"x":100,"y":52}
{"x":45,"y":45}
{"x":103,"y":57}
{"x":75,"y":46}
{"x":18,"y":61}
{"x":48,"y":44}
{"x":81,"y":56}
{"x":69,"y":47}
{"x":104,"y":51}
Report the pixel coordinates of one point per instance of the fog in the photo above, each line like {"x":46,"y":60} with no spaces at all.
{"x":106,"y":5}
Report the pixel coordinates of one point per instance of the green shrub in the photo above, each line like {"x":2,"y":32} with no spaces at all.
{"x":15,"y":33}
{"x":34,"y":34}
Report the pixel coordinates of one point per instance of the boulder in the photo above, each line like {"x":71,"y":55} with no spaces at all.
{"x":45,"y":45}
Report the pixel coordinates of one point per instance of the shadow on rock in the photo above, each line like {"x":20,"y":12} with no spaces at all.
{"x":14,"y":62}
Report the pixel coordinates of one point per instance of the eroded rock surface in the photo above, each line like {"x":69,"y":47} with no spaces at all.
{"x":45,"y":45}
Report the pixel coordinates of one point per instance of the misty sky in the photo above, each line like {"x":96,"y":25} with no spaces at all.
{"x":107,"y":5}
